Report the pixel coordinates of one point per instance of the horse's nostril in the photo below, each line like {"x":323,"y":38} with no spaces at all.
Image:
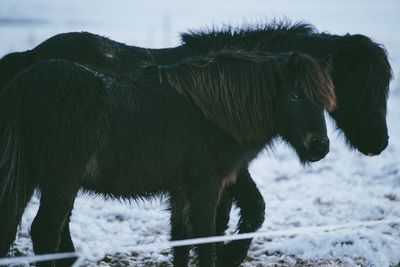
{"x":319,"y":145}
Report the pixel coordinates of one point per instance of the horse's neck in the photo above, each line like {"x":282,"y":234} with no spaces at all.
{"x":166,"y":56}
{"x":319,"y":46}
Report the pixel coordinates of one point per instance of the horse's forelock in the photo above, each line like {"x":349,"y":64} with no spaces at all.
{"x":315,"y":82}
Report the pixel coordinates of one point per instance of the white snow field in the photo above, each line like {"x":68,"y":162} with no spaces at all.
{"x":345,"y":187}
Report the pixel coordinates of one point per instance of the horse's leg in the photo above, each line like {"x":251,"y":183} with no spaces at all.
{"x":180,"y":228}
{"x":223,"y":212}
{"x":65,"y":109}
{"x":58,"y":191}
{"x":203,"y":198}
{"x":66,"y":244}
{"x":252,"y":210}
{"x":8,"y":227}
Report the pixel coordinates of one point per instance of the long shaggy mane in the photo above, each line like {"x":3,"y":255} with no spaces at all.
{"x":237,"y":89}
{"x":272,"y":29}
{"x":361,"y":71}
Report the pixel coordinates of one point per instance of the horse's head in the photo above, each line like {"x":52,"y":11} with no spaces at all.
{"x":361,"y":74}
{"x":305,"y":94}
{"x":255,"y":96}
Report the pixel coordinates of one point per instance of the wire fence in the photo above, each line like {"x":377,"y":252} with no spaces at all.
{"x":158,"y":246}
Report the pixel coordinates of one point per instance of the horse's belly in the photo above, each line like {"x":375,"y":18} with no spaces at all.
{"x":126,"y":181}
{"x":125,"y":187}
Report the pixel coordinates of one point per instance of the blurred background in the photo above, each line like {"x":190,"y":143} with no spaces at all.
{"x":156,"y":24}
{"x":344,"y":187}
{"x":24,"y":23}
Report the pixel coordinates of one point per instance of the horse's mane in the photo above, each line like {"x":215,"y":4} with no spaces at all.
{"x":237,"y":89}
{"x":232,"y":90}
{"x":272,"y":29}
{"x":361,"y":69}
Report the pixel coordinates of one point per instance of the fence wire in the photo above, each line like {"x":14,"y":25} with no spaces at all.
{"x":203,"y":240}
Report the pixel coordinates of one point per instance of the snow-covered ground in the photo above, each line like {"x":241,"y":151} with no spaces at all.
{"x":344,"y":187}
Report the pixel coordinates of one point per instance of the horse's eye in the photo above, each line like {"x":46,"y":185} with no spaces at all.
{"x":294,"y":97}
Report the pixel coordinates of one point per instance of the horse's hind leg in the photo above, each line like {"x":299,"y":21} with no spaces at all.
{"x":56,"y":201}
{"x":60,"y":180}
{"x":65,"y":110}
{"x":252,"y":209}
{"x":8,"y":229}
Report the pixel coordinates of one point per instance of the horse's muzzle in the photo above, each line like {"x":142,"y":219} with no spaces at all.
{"x":376,"y":147}
{"x":317,"y":147}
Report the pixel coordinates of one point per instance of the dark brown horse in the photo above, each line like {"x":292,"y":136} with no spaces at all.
{"x":185,"y":130}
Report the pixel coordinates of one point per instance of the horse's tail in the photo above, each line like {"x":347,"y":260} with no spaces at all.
{"x":12,"y":64}
{"x":15,"y":189}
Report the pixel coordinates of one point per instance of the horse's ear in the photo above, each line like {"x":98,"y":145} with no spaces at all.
{"x":295,"y":59}
{"x":326,"y":63}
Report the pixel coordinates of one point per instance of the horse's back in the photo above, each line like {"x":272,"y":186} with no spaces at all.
{"x":92,"y":50}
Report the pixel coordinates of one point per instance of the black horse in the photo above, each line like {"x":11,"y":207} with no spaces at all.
{"x":360,"y":68}
{"x":185,"y":130}
{"x":360,"y":72}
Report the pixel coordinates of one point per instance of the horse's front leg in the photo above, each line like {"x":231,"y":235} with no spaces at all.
{"x":203,"y":196}
{"x":180,"y":228}
{"x":252,"y":211}
{"x":223,"y":212}
{"x":223,"y":216}
{"x":66,"y":244}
